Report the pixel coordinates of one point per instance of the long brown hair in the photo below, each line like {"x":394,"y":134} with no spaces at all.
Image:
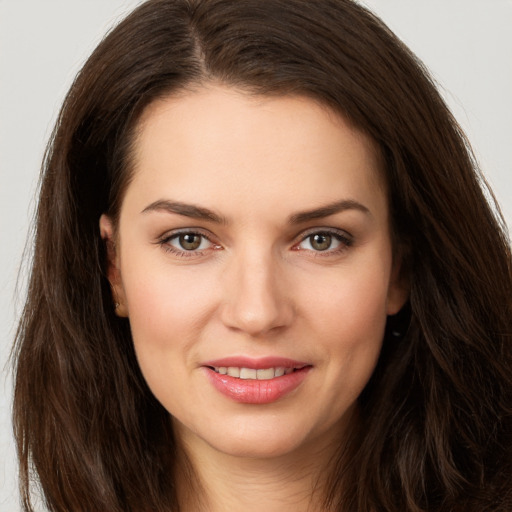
{"x":436,"y":417}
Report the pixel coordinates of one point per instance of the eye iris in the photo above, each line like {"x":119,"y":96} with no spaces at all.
{"x":190,"y":241}
{"x":321,"y":242}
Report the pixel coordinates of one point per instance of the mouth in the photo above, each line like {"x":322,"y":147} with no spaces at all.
{"x":256,"y":381}
{"x":253,"y":373}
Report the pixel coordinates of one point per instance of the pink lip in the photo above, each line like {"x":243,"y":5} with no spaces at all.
{"x":252,"y":391}
{"x":256,"y":363}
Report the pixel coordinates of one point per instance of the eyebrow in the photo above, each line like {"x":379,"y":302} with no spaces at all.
{"x":327,"y":210}
{"x":201,"y":213}
{"x":187,"y":210}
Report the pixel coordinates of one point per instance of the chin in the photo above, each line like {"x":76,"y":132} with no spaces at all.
{"x":256,"y":447}
{"x":255,"y":438}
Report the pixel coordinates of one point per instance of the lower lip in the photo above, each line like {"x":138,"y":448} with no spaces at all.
{"x":252,"y":391}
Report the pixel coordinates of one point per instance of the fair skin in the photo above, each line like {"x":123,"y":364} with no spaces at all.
{"x":255,"y":235}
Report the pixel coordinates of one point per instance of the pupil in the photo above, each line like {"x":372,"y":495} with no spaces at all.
{"x":321,"y":242}
{"x":190,"y":241}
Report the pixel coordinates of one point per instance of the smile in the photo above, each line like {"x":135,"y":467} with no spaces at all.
{"x":256,"y":381}
{"x":252,"y":373}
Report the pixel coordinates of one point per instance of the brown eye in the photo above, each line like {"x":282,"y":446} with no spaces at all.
{"x":320,"y":241}
{"x":188,"y":244}
{"x":190,"y":241}
{"x":329,"y":242}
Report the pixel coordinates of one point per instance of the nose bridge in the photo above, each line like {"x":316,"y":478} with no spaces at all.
{"x":255,"y":297}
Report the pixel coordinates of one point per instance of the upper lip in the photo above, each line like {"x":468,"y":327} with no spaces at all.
{"x":260,"y":363}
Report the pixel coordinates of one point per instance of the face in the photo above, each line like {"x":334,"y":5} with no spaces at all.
{"x":253,"y":260}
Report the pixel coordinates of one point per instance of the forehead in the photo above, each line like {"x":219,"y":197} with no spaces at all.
{"x":218,"y":143}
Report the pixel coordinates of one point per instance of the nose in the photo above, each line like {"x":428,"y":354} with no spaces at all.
{"x":256,"y":297}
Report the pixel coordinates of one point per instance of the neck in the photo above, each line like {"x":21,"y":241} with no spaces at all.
{"x":217,"y":482}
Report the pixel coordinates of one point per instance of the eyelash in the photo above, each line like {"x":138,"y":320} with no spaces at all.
{"x":345,"y":241}
{"x":164,"y":242}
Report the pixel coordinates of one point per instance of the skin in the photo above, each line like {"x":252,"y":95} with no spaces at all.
{"x":259,"y":286}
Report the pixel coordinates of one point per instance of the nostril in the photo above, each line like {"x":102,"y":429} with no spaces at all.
{"x":257,"y":301}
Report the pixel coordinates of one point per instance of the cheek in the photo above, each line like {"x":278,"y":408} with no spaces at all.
{"x":165,"y":301}
{"x":348,"y":323}
{"x":168,"y":311}
{"x":352,"y":301}
{"x":163,"y":316}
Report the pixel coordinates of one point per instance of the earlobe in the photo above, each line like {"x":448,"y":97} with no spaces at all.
{"x":398,"y":291}
{"x":397,"y":297}
{"x":113,"y":266}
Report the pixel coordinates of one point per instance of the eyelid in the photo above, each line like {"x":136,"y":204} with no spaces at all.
{"x":324,"y":229}
{"x":344,"y":237}
{"x":180,"y":231}
{"x":341,"y":235}
{"x":164,"y":239}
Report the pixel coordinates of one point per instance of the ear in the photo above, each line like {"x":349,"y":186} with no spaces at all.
{"x":398,"y":290}
{"x":113,"y":266}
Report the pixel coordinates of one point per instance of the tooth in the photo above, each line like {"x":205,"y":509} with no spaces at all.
{"x":251,"y":373}
{"x":265,"y":374}
{"x":247,"y":373}
{"x":233,"y":371}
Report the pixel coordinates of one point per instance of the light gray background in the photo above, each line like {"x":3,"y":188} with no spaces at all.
{"x":467,"y":44}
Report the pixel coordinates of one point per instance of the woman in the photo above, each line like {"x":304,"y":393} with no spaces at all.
{"x":265,"y":275}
